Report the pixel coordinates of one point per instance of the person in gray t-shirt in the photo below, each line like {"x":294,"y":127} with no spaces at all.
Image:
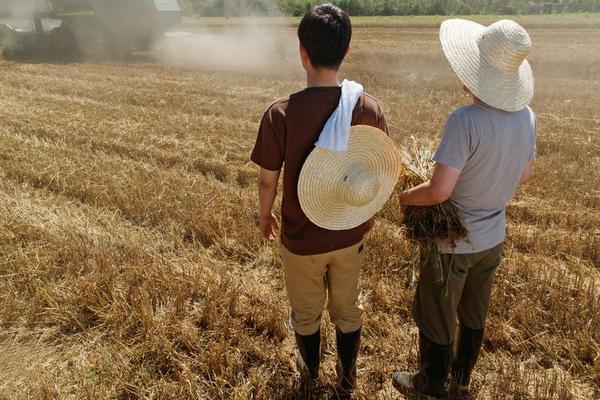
{"x":491,"y":149}
{"x":486,"y":152}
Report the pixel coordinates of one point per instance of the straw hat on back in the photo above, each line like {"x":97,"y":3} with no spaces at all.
{"x":343,"y":190}
{"x":491,"y":61}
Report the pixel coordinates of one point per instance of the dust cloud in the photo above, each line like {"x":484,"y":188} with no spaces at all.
{"x":247,"y":44}
{"x":17,"y":13}
{"x":18,"y":9}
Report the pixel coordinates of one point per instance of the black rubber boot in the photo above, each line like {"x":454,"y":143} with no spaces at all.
{"x":434,"y":366}
{"x":348,"y":345}
{"x":469,"y":346}
{"x":309,"y":349}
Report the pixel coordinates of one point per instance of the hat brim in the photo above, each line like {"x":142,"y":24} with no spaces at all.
{"x":325,"y":169}
{"x":505,"y":91}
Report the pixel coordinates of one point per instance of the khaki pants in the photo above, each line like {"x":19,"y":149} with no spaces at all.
{"x":309,"y":280}
{"x":469,"y":281}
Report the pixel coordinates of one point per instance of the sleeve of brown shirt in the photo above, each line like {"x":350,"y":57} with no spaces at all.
{"x":371,"y":113}
{"x":268,"y":151}
{"x":380,"y":120}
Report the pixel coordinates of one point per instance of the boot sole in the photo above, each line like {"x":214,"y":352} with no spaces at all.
{"x":412,"y":394}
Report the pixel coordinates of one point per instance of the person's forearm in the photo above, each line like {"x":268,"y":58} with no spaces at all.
{"x":527,"y":173}
{"x":266,"y":195}
{"x":422,"y":195}
{"x":524,"y":180}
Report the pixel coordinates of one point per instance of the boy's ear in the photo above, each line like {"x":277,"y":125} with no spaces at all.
{"x":303,"y":52}
{"x":304,"y":56}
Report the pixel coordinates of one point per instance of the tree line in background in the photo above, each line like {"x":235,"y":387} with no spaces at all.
{"x":389,"y":7}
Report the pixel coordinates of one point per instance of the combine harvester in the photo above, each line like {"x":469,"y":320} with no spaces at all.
{"x":75,"y":29}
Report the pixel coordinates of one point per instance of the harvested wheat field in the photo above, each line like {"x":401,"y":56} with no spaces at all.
{"x":131,"y":266}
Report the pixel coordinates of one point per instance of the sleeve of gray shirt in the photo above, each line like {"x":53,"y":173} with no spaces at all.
{"x":455,"y":148}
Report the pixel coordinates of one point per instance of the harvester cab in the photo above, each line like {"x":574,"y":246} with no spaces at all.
{"x":71,"y":29}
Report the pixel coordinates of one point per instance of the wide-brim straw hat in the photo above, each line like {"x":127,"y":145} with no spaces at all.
{"x":491,"y":61}
{"x":343,"y":190}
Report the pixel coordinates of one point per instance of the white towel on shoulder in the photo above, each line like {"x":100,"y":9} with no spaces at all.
{"x":336,"y":133}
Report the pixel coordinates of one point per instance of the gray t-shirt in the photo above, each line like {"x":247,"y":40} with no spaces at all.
{"x":491,"y":149}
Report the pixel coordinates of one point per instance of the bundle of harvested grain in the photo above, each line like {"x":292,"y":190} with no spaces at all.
{"x":428,"y":224}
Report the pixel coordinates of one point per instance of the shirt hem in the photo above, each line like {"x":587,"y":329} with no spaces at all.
{"x":468,"y":248}
{"x":319,"y":251}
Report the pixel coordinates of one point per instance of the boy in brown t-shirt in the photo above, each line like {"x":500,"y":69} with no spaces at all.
{"x":318,"y":263}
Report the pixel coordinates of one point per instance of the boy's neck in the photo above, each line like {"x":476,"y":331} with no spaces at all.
{"x":322,"y":78}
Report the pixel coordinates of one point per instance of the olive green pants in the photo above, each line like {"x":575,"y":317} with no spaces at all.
{"x":331,"y":278}
{"x":469,"y":279}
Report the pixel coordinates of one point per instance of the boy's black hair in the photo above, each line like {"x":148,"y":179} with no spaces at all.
{"x":325,"y":32}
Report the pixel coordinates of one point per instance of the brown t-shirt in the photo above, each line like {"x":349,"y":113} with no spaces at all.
{"x":287,"y":134}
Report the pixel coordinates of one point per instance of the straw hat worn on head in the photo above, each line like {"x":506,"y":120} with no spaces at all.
{"x":491,"y":61}
{"x":343,"y":190}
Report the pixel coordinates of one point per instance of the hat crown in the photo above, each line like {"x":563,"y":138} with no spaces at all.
{"x":359,"y":186}
{"x":505,"y":45}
